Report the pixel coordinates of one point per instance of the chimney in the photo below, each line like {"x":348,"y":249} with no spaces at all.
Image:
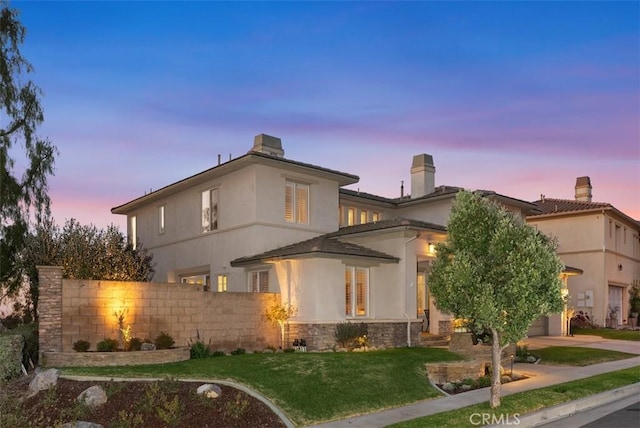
{"x":423,"y":176}
{"x":583,"y":189}
{"x":264,"y":143}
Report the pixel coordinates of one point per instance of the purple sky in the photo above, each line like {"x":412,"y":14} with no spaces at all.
{"x":516,"y":97}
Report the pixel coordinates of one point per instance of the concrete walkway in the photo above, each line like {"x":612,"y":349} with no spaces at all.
{"x":540,"y":376}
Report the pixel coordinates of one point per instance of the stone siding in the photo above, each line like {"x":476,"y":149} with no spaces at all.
{"x":380,"y":334}
{"x":441,"y":373}
{"x":50,"y":308}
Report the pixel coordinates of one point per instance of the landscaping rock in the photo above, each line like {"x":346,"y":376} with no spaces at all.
{"x":81,"y":424}
{"x":93,"y":396}
{"x":209,"y":390}
{"x":44,"y":380}
{"x":465,"y":387}
{"x":147,"y":347}
{"x":505,"y":379}
{"x":531,"y":359}
{"x":448,"y":387}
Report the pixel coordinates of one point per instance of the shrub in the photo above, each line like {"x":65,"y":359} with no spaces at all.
{"x":239,"y":351}
{"x":81,"y":346}
{"x":107,"y":345}
{"x":218,"y":354}
{"x":135,"y":344}
{"x":347,"y":333}
{"x":199,"y":350}
{"x":164,"y":341}
{"x":581,"y":320}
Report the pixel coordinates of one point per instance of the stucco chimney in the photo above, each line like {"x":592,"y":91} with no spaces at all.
{"x":264,"y":143}
{"x":423,"y":176}
{"x":583,"y":189}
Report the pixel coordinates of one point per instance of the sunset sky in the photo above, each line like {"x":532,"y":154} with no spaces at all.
{"x":516,"y":97}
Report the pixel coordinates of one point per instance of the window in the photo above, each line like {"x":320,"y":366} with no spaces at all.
{"x":161,"y":219}
{"x":133,"y":231}
{"x":356,"y":288}
{"x":209,"y":210}
{"x":296,"y":204}
{"x":259,"y":281}
{"x":375,"y":216}
{"x":222,"y":283}
{"x":201,"y":279}
{"x":351,"y":217}
{"x":364,"y":216}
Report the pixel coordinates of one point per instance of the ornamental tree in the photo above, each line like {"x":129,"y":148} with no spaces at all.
{"x":497,"y":270}
{"x":23,"y":184}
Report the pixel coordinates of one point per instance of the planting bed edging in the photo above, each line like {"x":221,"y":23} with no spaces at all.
{"x":132,"y":358}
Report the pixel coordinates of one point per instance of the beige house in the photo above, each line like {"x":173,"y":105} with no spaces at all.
{"x":601,"y":241}
{"x":264,"y":223}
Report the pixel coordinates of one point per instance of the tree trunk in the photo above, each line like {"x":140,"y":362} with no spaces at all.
{"x":496,"y":368}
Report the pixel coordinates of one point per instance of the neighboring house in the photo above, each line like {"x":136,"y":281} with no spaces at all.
{"x":264,"y":223}
{"x":601,"y":241}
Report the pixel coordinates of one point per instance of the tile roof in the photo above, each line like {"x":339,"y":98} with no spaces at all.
{"x":320,"y":245}
{"x":330,"y":245}
{"x":551,"y":206}
{"x":388,"y":224}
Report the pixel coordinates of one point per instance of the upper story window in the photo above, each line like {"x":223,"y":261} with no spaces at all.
{"x":351,"y":217}
{"x":296,"y":206}
{"x":356,"y":287}
{"x":133,"y":231}
{"x":364,"y":216}
{"x":161,"y":210}
{"x":259,"y":281}
{"x":210,"y":210}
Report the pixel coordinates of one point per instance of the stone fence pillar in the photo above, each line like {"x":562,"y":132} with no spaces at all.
{"x":50,"y":309}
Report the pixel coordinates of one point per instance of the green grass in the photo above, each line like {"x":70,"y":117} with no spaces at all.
{"x":609,"y":333}
{"x":529,"y":401}
{"x":311,"y":387}
{"x":578,"y":356}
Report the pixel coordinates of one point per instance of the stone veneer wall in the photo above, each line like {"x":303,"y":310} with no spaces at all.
{"x":71,"y":310}
{"x":380,"y":334}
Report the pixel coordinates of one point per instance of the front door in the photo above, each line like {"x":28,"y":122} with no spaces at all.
{"x":422,"y":290}
{"x":614,"y":311}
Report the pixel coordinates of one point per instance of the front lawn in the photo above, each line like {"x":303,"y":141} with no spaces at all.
{"x":578,"y":356}
{"x":529,"y":401}
{"x":311,"y":387}
{"x":609,"y":333}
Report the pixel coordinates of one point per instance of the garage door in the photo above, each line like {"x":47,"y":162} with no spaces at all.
{"x":539,"y":327}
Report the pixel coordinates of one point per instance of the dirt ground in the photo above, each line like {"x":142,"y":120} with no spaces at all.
{"x":133,"y":404}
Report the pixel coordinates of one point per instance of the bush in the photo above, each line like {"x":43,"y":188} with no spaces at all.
{"x":135,"y":344}
{"x":347,"y":333}
{"x":239,"y":351}
{"x":218,"y":354}
{"x":81,"y":346}
{"x":199,"y":350}
{"x":107,"y":345}
{"x":11,"y":346}
{"x":29,"y":333}
{"x":581,"y":320}
{"x":164,"y":341}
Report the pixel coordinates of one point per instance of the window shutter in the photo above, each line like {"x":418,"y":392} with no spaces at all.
{"x":206,"y":211}
{"x":302,"y":204}
{"x":288,"y":202}
{"x":348,"y":291}
{"x":361,"y":292}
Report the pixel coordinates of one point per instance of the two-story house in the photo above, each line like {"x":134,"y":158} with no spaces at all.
{"x":264,"y":223}
{"x":601,"y":241}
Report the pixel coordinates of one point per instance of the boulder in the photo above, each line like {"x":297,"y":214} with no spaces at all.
{"x":93,"y":396}
{"x":44,"y":380}
{"x":147,"y":347}
{"x":209,"y":390}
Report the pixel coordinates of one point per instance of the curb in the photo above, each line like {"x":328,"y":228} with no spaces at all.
{"x":236,"y":385}
{"x":570,"y":408}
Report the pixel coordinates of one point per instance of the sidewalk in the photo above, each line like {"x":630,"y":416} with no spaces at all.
{"x":540,"y":376}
